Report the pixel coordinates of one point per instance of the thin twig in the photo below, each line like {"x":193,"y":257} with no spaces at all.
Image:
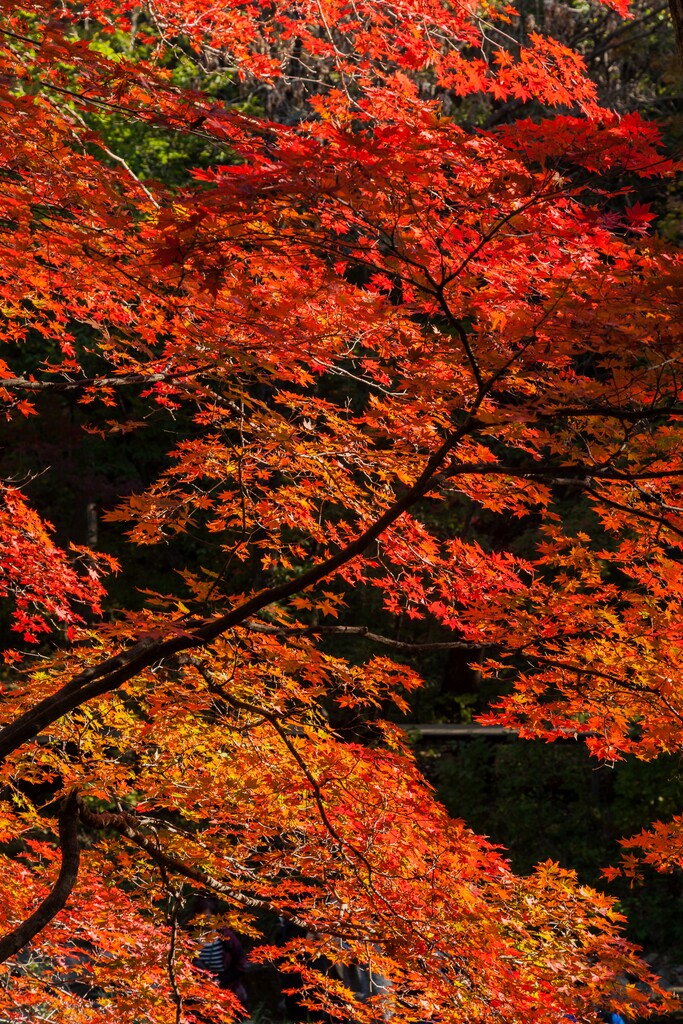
{"x":126,"y":825}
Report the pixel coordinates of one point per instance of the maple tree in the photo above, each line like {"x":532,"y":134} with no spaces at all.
{"x":358,"y":316}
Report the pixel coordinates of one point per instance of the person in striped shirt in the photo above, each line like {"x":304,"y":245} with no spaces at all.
{"x":222,"y":957}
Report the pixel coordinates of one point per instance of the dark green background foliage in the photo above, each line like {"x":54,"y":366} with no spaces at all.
{"x":553,"y":801}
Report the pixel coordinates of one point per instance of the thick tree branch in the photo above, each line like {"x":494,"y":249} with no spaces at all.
{"x":59,"y":894}
{"x":191,"y":633}
{"x":185,"y":634}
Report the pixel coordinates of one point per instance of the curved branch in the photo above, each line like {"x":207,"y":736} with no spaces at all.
{"x":189,"y":633}
{"x":192,"y":633}
{"x":60,"y":892}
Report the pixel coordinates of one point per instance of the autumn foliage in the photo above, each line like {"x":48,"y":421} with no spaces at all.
{"x":364,"y":314}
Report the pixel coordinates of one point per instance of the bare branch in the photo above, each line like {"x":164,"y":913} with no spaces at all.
{"x":361,"y":631}
{"x":576,"y":474}
{"x":121,"y":380}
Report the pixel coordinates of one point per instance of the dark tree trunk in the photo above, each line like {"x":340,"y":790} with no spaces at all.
{"x":676,"y":8}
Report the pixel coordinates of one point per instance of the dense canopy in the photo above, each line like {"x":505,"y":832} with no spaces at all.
{"x":361,"y":304}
